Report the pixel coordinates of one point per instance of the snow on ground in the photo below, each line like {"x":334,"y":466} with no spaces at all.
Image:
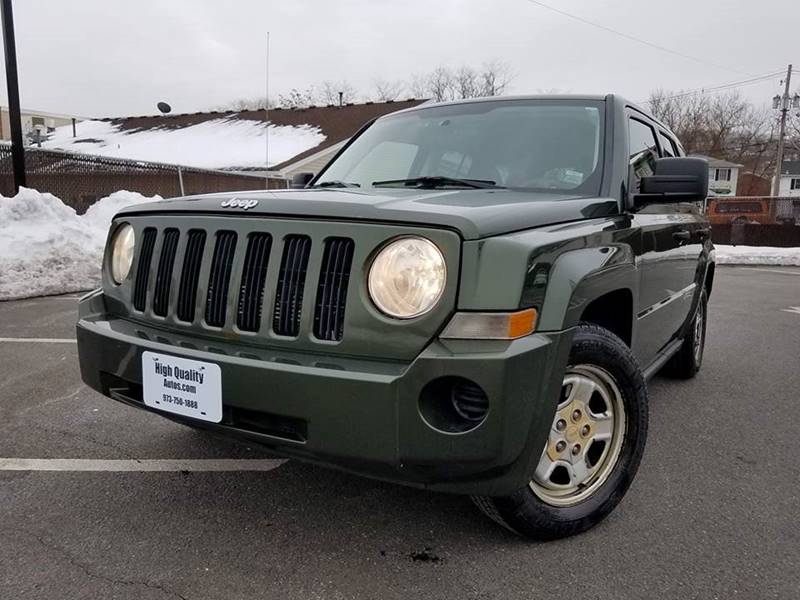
{"x":46,"y":248}
{"x":757,"y":255}
{"x":218,"y":144}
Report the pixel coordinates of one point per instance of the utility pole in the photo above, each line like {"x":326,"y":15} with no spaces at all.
{"x":784,"y":103}
{"x":12,"y":81}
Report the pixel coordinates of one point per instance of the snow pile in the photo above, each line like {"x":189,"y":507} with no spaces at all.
{"x":757,"y":255}
{"x":216,"y":144}
{"x":47,"y":248}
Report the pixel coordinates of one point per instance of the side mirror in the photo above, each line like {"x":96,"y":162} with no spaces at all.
{"x":301,"y":180}
{"x":678,"y":179}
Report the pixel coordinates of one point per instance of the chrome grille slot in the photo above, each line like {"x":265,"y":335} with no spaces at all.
{"x":332,"y":289}
{"x":251,"y":289}
{"x":166,"y":261}
{"x":291,"y":282}
{"x":219,"y":278}
{"x":190,"y":275}
{"x":143,"y":269}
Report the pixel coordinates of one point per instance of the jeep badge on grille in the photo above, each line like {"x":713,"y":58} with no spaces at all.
{"x":238,"y":203}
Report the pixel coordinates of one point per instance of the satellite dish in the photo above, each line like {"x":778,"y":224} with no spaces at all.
{"x":164,"y":107}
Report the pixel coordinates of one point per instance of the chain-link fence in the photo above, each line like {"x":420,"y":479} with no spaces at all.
{"x":79,"y":180}
{"x":755,"y":221}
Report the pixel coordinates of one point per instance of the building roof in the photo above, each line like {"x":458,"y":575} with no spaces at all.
{"x":224,"y":139}
{"x":718,"y":163}
{"x":790,"y":167}
{"x":42,"y":113}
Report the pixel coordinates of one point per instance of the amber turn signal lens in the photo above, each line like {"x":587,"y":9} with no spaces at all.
{"x":491,"y":326}
{"x":521,"y":323}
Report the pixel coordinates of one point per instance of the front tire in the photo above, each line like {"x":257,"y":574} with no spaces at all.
{"x":594,"y":447}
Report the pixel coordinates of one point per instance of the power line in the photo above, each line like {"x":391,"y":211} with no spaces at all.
{"x":721,"y":87}
{"x":636,"y":39}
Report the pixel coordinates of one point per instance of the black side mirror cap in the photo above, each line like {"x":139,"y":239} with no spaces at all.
{"x":301,"y":180}
{"x":675,"y":179}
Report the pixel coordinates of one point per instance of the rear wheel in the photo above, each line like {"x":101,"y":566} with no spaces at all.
{"x":594,"y":445}
{"x":688,"y":360}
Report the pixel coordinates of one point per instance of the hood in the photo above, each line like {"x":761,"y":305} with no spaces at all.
{"x":474,"y":213}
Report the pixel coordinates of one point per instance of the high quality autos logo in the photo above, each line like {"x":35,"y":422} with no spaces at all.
{"x":238,"y":203}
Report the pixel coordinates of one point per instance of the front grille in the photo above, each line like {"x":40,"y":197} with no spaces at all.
{"x":190,"y":281}
{"x":164,"y":272}
{"x":219,"y":278}
{"x":291,"y":282}
{"x":143,"y":269}
{"x":332,"y":289}
{"x":251,"y":290}
{"x":187,"y":292}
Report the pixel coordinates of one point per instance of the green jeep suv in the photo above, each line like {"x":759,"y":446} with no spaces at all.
{"x":470,"y":297}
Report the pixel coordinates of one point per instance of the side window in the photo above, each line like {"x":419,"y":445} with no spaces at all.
{"x":722,"y":175}
{"x":643,"y":152}
{"x":668,"y":145}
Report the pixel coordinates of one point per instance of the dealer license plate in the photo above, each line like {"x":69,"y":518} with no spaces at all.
{"x":191,"y":388}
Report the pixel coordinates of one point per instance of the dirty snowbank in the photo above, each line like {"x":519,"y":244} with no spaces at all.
{"x":757,"y":255}
{"x":46,"y":248}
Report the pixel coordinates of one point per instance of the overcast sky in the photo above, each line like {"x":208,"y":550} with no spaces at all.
{"x":119,"y":57}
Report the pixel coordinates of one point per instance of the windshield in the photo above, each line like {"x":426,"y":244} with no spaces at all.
{"x":537,"y":145}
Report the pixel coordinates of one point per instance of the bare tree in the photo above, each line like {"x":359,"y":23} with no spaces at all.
{"x":418,"y":85}
{"x":331,"y":90}
{"x":467,"y":83}
{"x":388,"y":90}
{"x":724,"y":126}
{"x":240,"y":104}
{"x":297,"y":98}
{"x":441,"y":84}
{"x":495,"y":78}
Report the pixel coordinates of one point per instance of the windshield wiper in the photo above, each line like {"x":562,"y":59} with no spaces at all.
{"x":434,"y":181}
{"x":336,"y":184}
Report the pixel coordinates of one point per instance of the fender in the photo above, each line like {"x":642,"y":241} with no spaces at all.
{"x":580,"y":276}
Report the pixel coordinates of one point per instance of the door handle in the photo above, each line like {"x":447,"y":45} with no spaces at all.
{"x":682,"y":236}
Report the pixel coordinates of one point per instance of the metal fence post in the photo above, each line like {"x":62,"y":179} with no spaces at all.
{"x":180,"y":180}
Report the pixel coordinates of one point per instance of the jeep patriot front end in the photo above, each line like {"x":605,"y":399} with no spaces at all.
{"x":468,"y":298}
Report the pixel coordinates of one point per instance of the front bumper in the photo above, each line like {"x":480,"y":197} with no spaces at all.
{"x":356,"y":414}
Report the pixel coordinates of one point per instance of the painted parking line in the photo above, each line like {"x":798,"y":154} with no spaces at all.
{"x":156,"y":465}
{"x":792,"y":309}
{"x":784,"y":271}
{"x":14,"y":340}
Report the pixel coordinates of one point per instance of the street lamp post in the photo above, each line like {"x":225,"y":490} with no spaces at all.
{"x":9,"y":46}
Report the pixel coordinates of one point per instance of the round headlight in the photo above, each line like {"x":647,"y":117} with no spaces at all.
{"x":407,"y":278}
{"x":122,"y":253}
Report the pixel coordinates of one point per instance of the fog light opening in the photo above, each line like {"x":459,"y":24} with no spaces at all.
{"x":453,"y":404}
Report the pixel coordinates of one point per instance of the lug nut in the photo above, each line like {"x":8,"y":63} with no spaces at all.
{"x":576,"y":414}
{"x":561,"y":425}
{"x":576,"y":449}
{"x":560,"y":446}
{"x":585,"y":430}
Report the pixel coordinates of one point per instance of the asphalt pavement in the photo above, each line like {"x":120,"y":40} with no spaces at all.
{"x":713,"y":513}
